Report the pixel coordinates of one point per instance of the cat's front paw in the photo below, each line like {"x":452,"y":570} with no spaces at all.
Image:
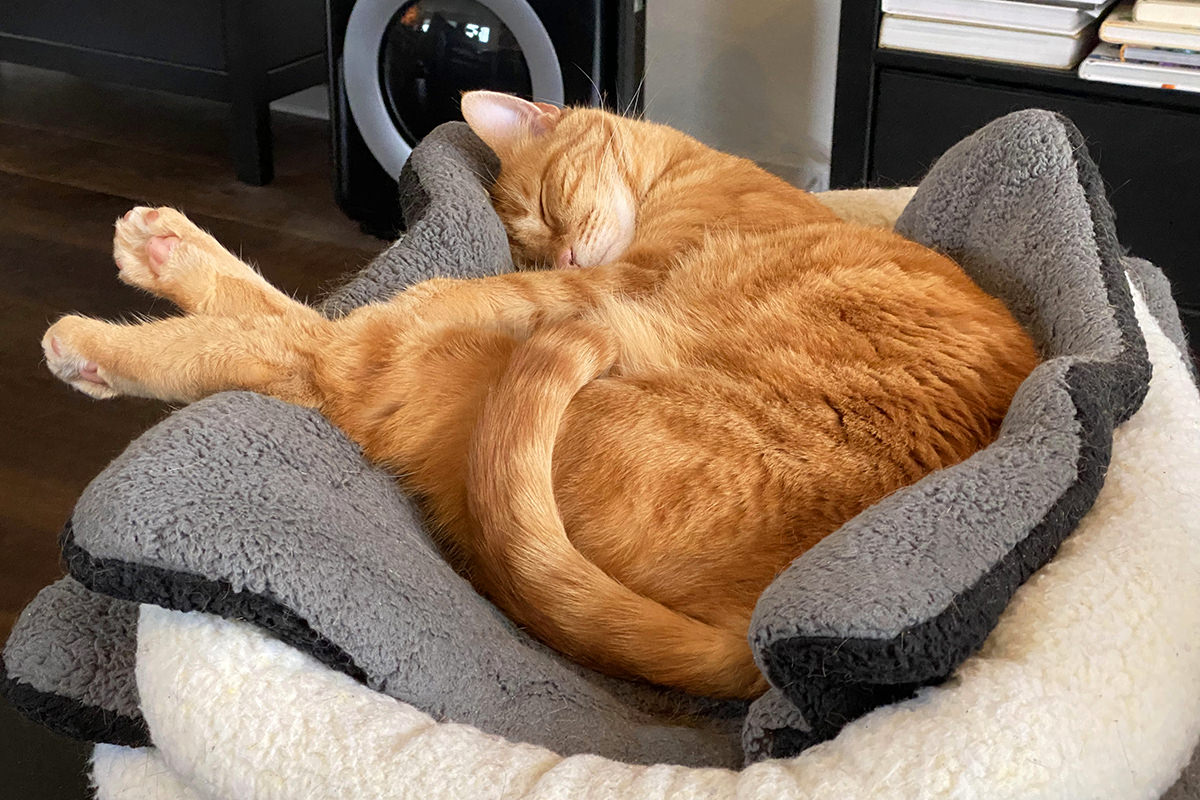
{"x":70,"y":346}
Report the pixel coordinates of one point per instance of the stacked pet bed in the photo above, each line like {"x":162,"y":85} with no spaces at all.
{"x":253,"y":611}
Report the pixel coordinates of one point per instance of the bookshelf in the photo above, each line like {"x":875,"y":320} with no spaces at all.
{"x":895,"y":112}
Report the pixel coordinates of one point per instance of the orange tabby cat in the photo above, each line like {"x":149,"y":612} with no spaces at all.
{"x":621,"y":454}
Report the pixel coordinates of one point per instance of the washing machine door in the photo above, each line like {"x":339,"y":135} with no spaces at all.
{"x":406,"y":63}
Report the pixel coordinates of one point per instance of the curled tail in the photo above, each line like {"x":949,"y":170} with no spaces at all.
{"x":534,"y":571}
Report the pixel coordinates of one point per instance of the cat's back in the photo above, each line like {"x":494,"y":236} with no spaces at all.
{"x":828,"y":273}
{"x":703,"y":192}
{"x":837,"y":316}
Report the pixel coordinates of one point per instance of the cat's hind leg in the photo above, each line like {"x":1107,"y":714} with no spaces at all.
{"x":181,"y":359}
{"x":163,"y":252}
{"x":239,"y":332}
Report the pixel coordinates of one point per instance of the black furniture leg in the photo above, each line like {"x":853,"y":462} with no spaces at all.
{"x":250,"y":139}
{"x":250,"y":114}
{"x":854,"y":97}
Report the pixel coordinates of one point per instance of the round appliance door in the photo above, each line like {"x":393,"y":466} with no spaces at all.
{"x":406,"y":64}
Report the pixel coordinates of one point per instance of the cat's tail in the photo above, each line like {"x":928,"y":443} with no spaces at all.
{"x":534,"y":570}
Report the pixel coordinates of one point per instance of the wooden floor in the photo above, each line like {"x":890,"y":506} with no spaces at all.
{"x":73,"y":157}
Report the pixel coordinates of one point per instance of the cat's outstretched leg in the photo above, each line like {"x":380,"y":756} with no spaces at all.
{"x":242,"y":333}
{"x":181,"y":359}
{"x":163,"y":252}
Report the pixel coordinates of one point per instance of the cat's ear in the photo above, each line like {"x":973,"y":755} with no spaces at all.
{"x":503,"y":121}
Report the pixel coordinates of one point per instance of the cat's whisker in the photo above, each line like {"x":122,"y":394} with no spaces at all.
{"x":633,"y":98}
{"x":606,"y":158}
{"x":624,"y":160}
{"x":646,"y":69}
{"x":484,"y":178}
{"x":588,"y":75}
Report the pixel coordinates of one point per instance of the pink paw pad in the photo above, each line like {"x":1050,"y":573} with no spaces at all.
{"x":91,"y":373}
{"x":158,"y":250}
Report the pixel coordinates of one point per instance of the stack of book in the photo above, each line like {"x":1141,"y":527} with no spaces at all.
{"x":1039,"y":33}
{"x":1149,"y":43}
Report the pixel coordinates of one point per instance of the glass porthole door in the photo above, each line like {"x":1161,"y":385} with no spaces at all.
{"x":407,"y":63}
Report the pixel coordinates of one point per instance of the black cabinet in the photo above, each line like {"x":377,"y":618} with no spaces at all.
{"x":242,"y":52}
{"x":896,"y":112}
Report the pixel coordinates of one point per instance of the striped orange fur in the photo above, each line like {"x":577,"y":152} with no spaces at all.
{"x":621,"y":451}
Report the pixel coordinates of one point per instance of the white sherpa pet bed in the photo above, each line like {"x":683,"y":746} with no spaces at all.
{"x":911,"y":654}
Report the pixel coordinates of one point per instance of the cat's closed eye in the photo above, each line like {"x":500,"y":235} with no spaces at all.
{"x":562,"y":192}
{"x":582,"y":221}
{"x":546,"y":219}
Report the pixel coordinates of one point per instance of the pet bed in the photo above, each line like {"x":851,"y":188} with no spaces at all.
{"x":254,"y":612}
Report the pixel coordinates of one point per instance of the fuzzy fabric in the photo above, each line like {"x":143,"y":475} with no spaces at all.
{"x":452,"y":230}
{"x":902,"y":593}
{"x":1089,"y":687}
{"x":127,"y":773}
{"x":69,"y":662}
{"x":254,"y":510}
{"x":875,"y":207}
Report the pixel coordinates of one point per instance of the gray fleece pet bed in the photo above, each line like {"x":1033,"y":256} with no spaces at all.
{"x":251,"y":509}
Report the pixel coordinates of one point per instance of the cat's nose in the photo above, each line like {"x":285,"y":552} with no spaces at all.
{"x":566,"y":259}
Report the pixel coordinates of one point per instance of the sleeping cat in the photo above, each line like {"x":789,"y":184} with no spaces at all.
{"x":622,"y":451}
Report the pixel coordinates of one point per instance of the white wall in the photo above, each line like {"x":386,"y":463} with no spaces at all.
{"x":751,"y":77}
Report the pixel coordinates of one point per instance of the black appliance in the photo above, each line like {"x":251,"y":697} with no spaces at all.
{"x":397,"y":69}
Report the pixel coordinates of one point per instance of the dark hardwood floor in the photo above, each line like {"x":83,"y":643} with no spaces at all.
{"x":73,"y":157}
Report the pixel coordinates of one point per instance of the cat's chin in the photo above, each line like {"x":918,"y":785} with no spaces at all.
{"x":612,"y":252}
{"x":616,"y":248}
{"x":546,"y":264}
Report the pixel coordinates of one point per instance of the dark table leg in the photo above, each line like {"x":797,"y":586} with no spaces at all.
{"x":250,"y":114}
{"x":854,"y":97}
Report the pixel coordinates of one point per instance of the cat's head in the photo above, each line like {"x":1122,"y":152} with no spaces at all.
{"x":567,"y":192}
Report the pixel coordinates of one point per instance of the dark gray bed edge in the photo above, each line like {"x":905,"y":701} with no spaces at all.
{"x":1105,"y":389}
